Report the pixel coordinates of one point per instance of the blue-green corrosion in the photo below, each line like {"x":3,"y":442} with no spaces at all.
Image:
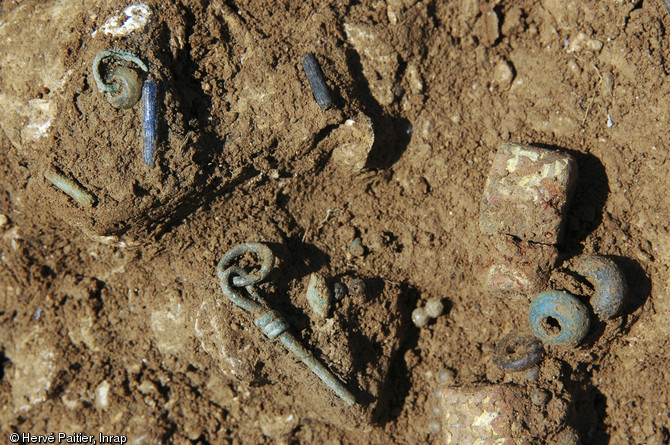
{"x":666,"y":5}
{"x":70,"y":188}
{"x":122,"y":86}
{"x":559,"y":318}
{"x":608,"y":282}
{"x":270,"y":322}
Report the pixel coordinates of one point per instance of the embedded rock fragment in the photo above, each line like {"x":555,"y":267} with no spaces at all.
{"x":319,"y":296}
{"x":498,"y":414}
{"x":488,"y":414}
{"x":35,"y":359}
{"x":516,"y":267}
{"x":378,"y":58}
{"x":351,"y":142}
{"x":527,"y":193}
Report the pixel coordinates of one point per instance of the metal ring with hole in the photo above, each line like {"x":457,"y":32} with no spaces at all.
{"x":559,"y":318}
{"x":517,"y":352}
{"x":261,"y":250}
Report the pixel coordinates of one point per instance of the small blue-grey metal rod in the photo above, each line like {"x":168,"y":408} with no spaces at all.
{"x":149,"y":121}
{"x":70,"y":188}
{"x":317,"y":368}
{"x":316,"y":81}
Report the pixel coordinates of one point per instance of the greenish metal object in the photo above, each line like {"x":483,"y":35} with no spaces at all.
{"x":70,"y":188}
{"x":270,"y":322}
{"x":559,"y":318}
{"x":123,"y":87}
{"x":608,"y":282}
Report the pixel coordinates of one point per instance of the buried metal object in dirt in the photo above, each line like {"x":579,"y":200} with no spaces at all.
{"x":517,"y":352}
{"x":568,"y":436}
{"x":316,"y":81}
{"x":357,"y":288}
{"x":130,"y":87}
{"x":70,"y":188}
{"x":270,"y":322}
{"x":122,"y":86}
{"x":609,"y":283}
{"x":666,"y":5}
{"x":356,"y":247}
{"x":339,"y":291}
{"x":559,"y":318}
{"x":149,"y":121}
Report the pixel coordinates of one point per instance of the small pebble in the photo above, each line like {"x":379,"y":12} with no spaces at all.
{"x":434,"y":427}
{"x":539,"y":397}
{"x":568,"y":437}
{"x":356,"y":248}
{"x":339,"y":291}
{"x":533,"y":374}
{"x":503,"y":74}
{"x":319,"y":296}
{"x":434,"y":307}
{"x":3,"y":220}
{"x":447,"y":376}
{"x":357,"y":288}
{"x":102,"y":395}
{"x":419,"y":317}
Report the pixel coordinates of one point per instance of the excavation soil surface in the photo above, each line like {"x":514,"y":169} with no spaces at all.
{"x":113,"y":318}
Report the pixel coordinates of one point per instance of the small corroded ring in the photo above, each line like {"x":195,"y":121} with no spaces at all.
{"x":357,"y":288}
{"x":517,"y":352}
{"x":559,"y":318}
